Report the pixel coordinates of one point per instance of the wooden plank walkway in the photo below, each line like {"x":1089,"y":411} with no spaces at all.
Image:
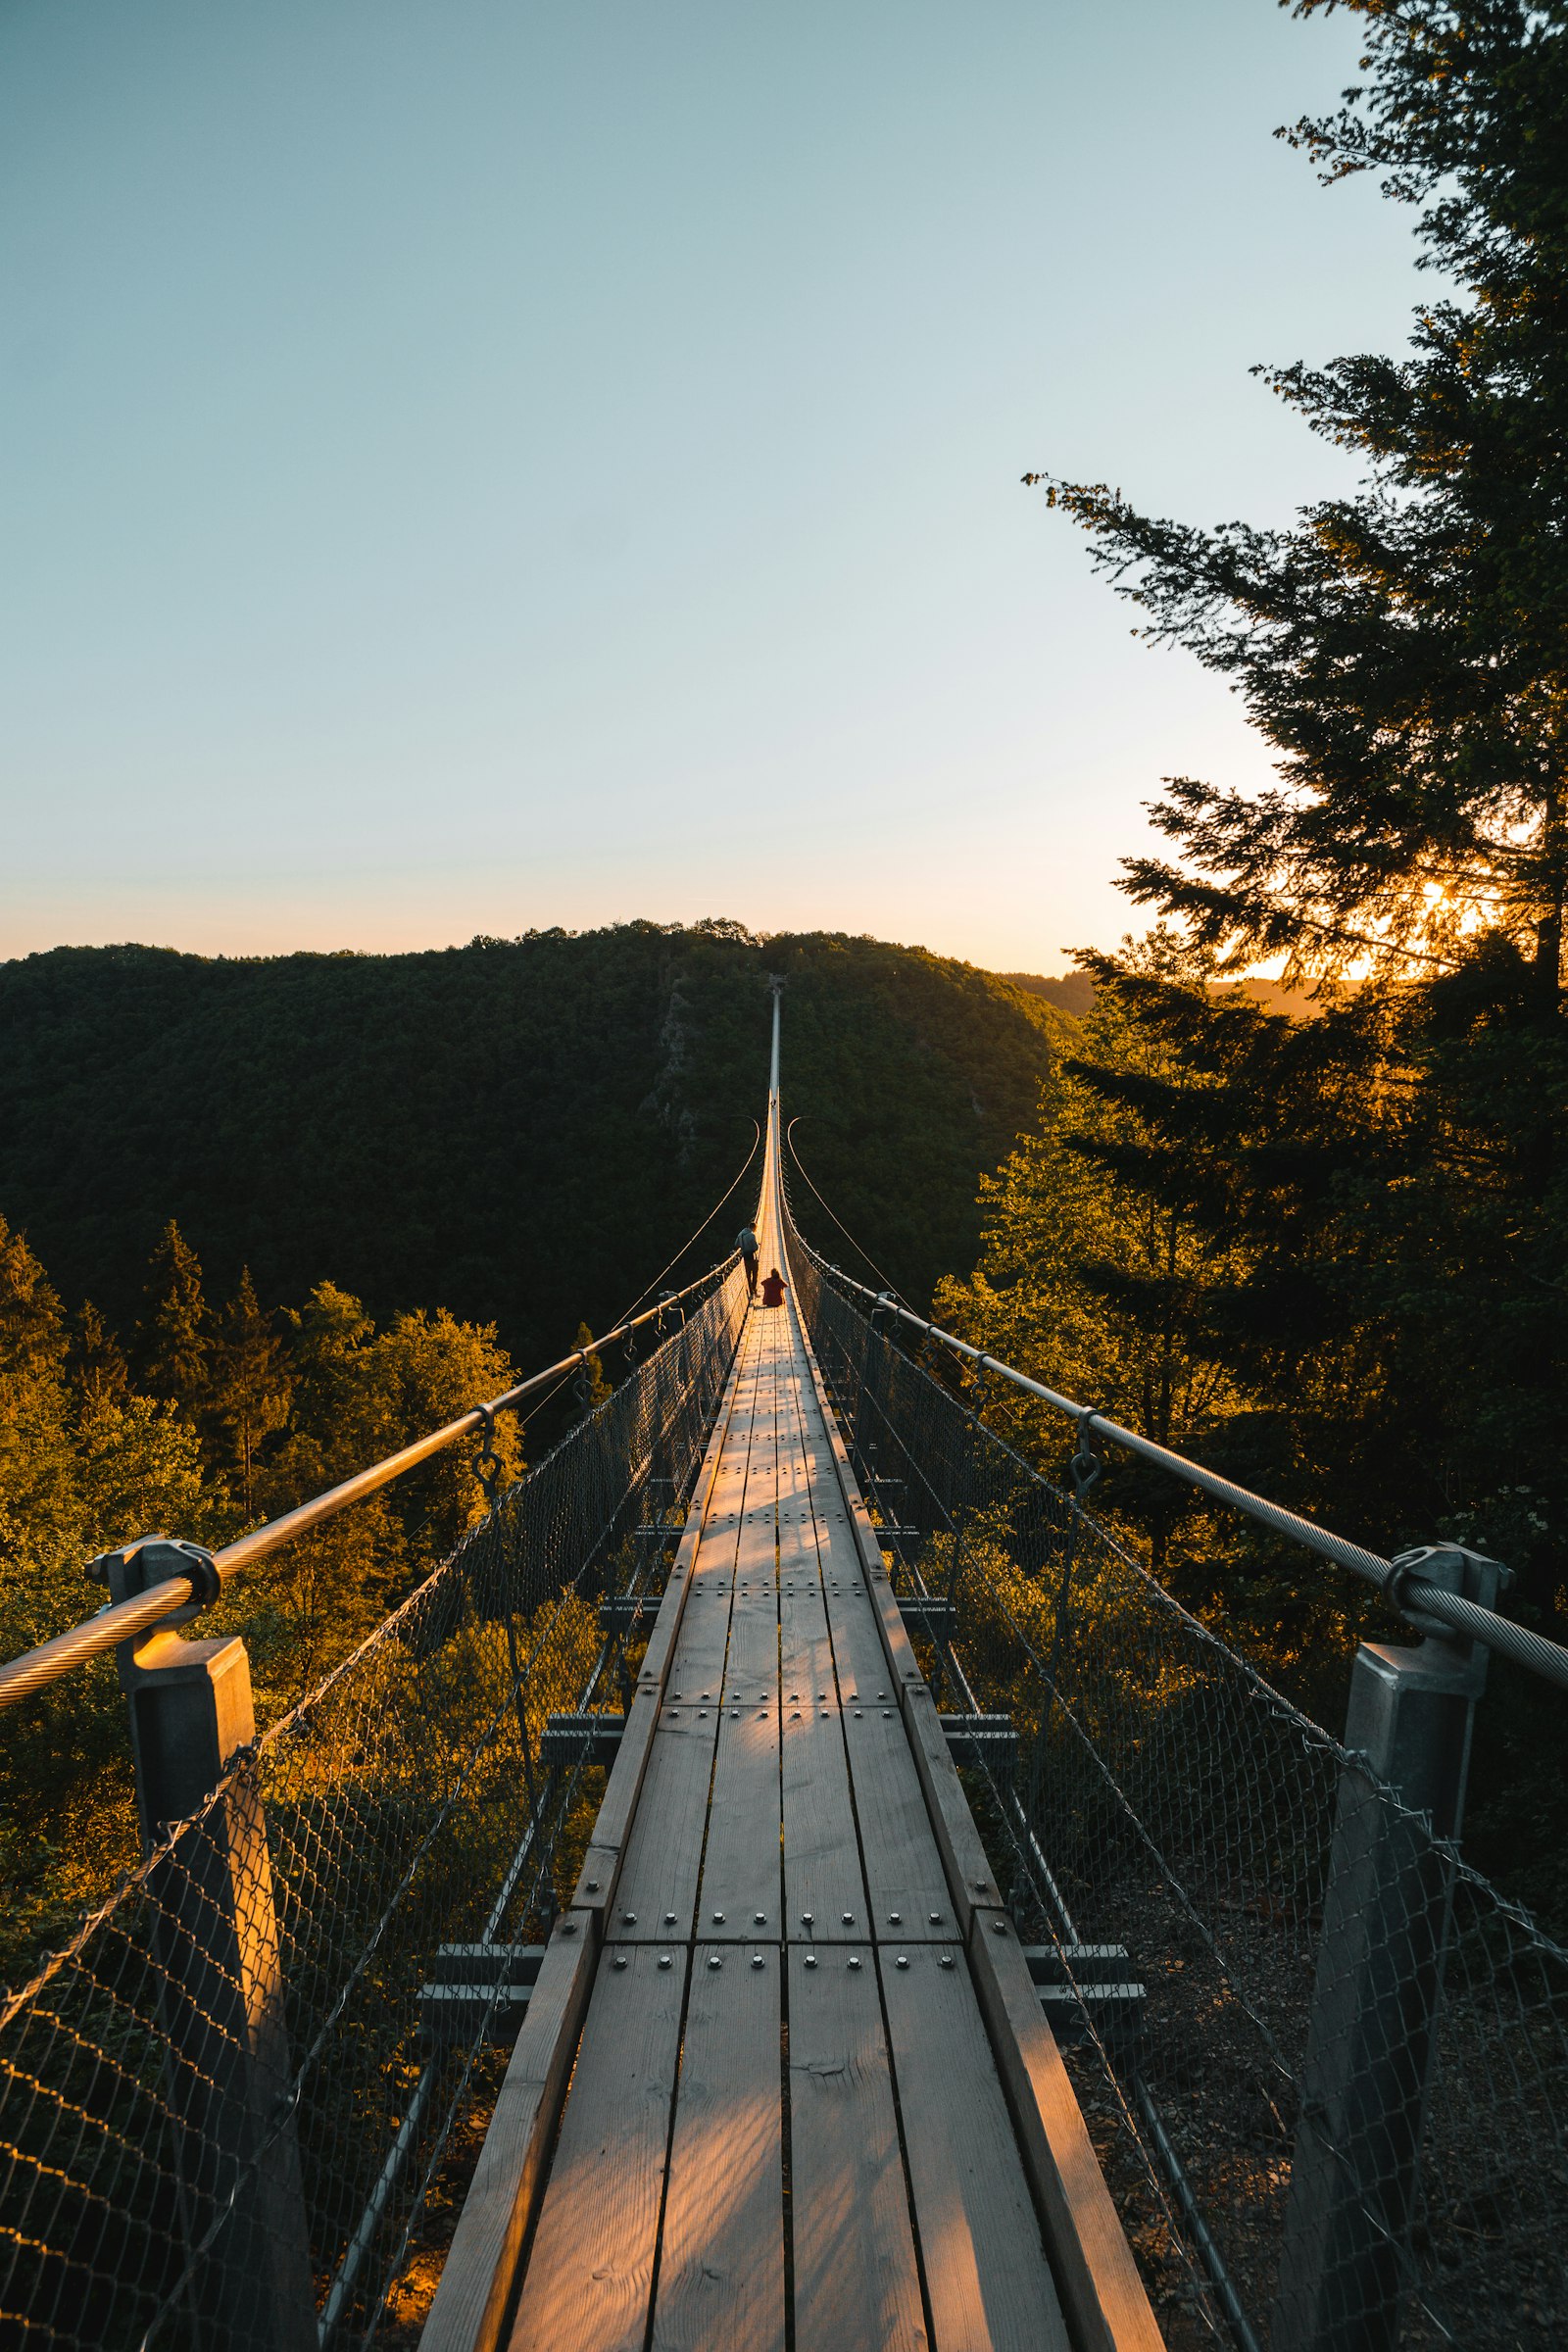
{"x":809,"y":2106}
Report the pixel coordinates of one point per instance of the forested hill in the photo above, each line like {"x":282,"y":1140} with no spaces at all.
{"x":521,"y":1131}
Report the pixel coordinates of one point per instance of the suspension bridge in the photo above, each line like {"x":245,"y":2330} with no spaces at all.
{"x":840,"y":1898}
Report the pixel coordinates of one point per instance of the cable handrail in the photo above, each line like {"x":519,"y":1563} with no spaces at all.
{"x":35,"y":1669}
{"x":1414,"y":1596}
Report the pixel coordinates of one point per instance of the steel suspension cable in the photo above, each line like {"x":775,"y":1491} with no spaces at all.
{"x":1411,"y":1594}
{"x":36,"y":1668}
{"x":789,"y":1139}
{"x":535,"y":1410}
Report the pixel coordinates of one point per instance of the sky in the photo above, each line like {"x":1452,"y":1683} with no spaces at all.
{"x":476,"y":464}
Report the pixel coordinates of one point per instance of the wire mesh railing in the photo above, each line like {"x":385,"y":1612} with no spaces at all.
{"x":223,"y":2104}
{"x":1325,"y":2062}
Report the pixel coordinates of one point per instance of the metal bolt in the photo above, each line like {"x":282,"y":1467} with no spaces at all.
{"x":810,"y":1959}
{"x":902,"y":1961}
{"x":895,"y":1919}
{"x":946,"y":1960}
{"x":676,"y":1711}
{"x":759,"y":1919}
{"x":998,"y":1927}
{"x":592,"y":1885}
{"x":756,"y":1959}
{"x":629,"y":1919}
{"x":935,"y":1918}
{"x":568,"y":1927}
{"x":885,"y":1712}
{"x":796,"y":1716}
{"x":734,"y":1714}
{"x":808,"y":1919}
{"x":719,"y":1919}
{"x":664,"y":1959}
{"x":669,"y":1917}
{"x":620,"y":1961}
{"x":856,"y":1714}
{"x":853,"y":1961}
{"x":847,"y":1919}
{"x":713,"y":1960}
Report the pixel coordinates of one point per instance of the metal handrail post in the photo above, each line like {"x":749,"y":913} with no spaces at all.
{"x":1386,"y":1912}
{"x":214,"y":1926}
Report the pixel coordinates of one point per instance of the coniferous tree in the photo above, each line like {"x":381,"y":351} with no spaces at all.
{"x":97,"y":1357}
{"x":250,"y":1384}
{"x":1406,"y":648}
{"x":176,"y":1333}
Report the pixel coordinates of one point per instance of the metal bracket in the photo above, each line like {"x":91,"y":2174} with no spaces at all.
{"x":151,"y":1560}
{"x":1453,"y":1570}
{"x":1085,"y":1464}
{"x":486,"y":1463}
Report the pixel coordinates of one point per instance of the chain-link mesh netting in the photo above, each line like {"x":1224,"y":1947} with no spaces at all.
{"x":222,"y":2107}
{"x":1325,"y":2063}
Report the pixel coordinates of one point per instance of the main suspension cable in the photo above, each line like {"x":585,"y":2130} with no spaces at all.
{"x":627,"y":1312}
{"x":757,"y":1137}
{"x":891,"y":1288}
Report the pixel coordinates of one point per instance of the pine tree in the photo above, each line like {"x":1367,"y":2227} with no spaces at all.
{"x":176,"y":1333}
{"x":1404,"y":649}
{"x":98,"y":1359}
{"x":252,"y":1387}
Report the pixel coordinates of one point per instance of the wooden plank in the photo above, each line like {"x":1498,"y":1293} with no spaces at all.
{"x":853,"y":1621}
{"x":476,"y":2281}
{"x":963,"y":1857}
{"x":855,"y":2277}
{"x":987,"y":2278}
{"x":1103,"y":2292}
{"x":905,"y":1882}
{"x":903,"y":1665}
{"x":590,"y":2274}
{"x":741,"y":1893}
{"x":742,"y":1890}
{"x":721,"y":2258}
{"x":598,"y":1880}
{"x":824,"y":1889}
{"x":804,"y":1644}
{"x":659,"y":1879}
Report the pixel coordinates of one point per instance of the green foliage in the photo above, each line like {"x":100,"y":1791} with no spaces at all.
{"x":1404,"y":647}
{"x":262,"y":1419}
{"x":1362,"y":1311}
{"x":523,"y":1131}
{"x":1095,"y":1279}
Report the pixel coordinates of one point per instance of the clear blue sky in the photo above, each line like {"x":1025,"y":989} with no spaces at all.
{"x":474,"y":464}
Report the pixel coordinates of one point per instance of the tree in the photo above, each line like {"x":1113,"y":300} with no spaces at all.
{"x":40,"y":1509}
{"x":97,"y":1358}
{"x":250,"y":1384}
{"x":1404,"y":649}
{"x":1092,"y":1277}
{"x":176,"y":1333}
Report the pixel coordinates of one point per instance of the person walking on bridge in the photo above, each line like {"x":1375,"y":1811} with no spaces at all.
{"x":746,"y":1243}
{"x":774,"y":1289}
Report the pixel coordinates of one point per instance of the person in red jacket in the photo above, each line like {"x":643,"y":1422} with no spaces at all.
{"x":774,"y":1289}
